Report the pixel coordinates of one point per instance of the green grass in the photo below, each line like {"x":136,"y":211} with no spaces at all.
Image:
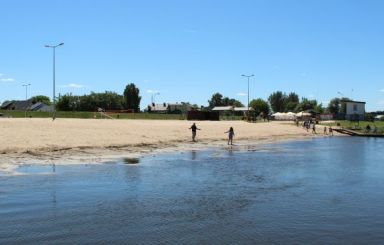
{"x":85,"y":114}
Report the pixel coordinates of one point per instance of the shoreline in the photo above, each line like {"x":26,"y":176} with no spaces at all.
{"x":51,"y":143}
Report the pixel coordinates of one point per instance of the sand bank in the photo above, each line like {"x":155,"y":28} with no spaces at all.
{"x":38,"y":140}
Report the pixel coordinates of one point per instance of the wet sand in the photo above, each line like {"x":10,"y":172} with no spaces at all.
{"x":41,"y":140}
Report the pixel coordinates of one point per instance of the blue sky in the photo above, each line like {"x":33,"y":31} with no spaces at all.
{"x":188,"y":50}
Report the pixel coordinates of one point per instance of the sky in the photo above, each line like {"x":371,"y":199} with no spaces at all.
{"x":187,"y":50}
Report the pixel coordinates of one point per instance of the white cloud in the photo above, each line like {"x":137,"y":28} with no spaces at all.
{"x":150,"y":91}
{"x":311,"y":96}
{"x":241,"y":94}
{"x":1,"y":74}
{"x":73,"y":85}
{"x":7,"y":79}
{"x":381,"y":90}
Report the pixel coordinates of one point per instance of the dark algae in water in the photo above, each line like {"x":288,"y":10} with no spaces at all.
{"x":131,"y":160}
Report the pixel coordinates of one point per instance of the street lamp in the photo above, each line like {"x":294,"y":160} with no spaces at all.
{"x":26,"y":95}
{"x":54,"y":96}
{"x":248,"y":76}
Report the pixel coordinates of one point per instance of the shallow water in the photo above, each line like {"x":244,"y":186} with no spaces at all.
{"x":321,"y":191}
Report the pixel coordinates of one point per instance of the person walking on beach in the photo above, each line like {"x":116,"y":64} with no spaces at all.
{"x":314,"y":129}
{"x":325,"y":130}
{"x":230,"y":133}
{"x":330,"y":131}
{"x":194,"y":128}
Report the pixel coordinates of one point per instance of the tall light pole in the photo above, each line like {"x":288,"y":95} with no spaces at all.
{"x":54,"y":84}
{"x":26,"y":95}
{"x":248,"y":76}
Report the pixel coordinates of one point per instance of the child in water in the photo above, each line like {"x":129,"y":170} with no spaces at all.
{"x":231,"y":133}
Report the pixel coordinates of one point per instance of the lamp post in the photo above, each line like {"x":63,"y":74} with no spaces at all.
{"x":54,"y":85}
{"x":26,"y":95}
{"x":248,"y":76}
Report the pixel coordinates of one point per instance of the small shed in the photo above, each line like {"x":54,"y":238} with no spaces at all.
{"x":355,"y":110}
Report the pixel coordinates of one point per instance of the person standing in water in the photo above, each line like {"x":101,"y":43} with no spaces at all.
{"x":194,"y":128}
{"x":230,"y":133}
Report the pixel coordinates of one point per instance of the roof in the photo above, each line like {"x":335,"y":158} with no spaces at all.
{"x":6,"y":103}
{"x":359,"y":102}
{"x":222,"y":108}
{"x":46,"y":108}
{"x":17,"y":104}
{"x":242,"y":109}
{"x":36,"y":106}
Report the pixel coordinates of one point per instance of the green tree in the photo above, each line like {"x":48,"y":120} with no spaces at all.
{"x":64,"y":103}
{"x":132,"y":97}
{"x":260,"y":106}
{"x":216,"y":100}
{"x":306,"y":104}
{"x":106,"y":100}
{"x":277,"y":100}
{"x":41,"y":98}
{"x":291,"y":102}
{"x":319,"y":108}
{"x":232,"y":102}
{"x":334,"y":106}
{"x":337,"y":105}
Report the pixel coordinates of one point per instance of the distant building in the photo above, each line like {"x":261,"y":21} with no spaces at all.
{"x":18,"y":105}
{"x":169,"y":107}
{"x":39,"y":106}
{"x":182,"y":107}
{"x":158,"y":108}
{"x":355,"y":110}
{"x":25,"y":105}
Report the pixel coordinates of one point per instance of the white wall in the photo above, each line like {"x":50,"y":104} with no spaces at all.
{"x":355,"y":108}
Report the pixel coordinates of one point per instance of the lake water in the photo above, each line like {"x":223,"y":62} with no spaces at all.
{"x":320,"y":191}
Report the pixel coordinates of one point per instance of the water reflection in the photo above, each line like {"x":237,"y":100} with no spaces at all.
{"x":193,"y":155}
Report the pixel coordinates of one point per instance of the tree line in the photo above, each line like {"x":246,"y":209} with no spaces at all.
{"x":130,"y":99}
{"x":107,"y":100}
{"x":281,"y":102}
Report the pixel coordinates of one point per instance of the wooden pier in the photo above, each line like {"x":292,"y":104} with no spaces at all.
{"x":355,"y":133}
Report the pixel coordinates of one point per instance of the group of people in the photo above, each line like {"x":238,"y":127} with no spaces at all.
{"x":230,"y":132}
{"x":311,"y":124}
{"x":307,"y":125}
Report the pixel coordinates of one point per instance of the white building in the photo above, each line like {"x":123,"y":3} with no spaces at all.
{"x":355,"y":110}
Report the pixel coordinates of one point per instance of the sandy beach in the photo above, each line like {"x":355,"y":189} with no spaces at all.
{"x":41,"y":140}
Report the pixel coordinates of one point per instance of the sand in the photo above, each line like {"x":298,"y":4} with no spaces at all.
{"x":41,"y":140}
